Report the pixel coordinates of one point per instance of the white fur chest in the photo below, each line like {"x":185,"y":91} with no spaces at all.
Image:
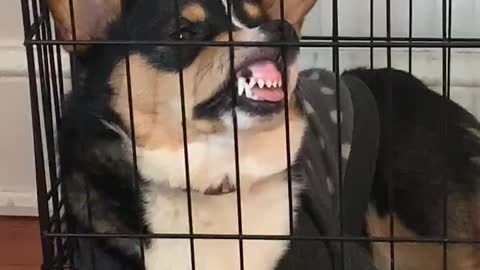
{"x":264,"y":201}
{"x":210,"y":161}
{"x":211,"y":158}
{"x":265,"y":211}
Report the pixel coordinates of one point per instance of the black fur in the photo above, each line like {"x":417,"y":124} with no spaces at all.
{"x":102,"y":187}
{"x":425,"y":149}
{"x":97,"y":168}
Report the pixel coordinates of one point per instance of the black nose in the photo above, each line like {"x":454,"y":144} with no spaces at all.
{"x":279,"y":31}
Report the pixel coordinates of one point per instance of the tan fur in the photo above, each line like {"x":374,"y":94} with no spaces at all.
{"x":92,"y":18}
{"x":294,"y":10}
{"x":212,"y":157}
{"x":156,"y":104}
{"x":156,"y":94}
{"x":194,"y":12}
{"x":160,"y":150}
{"x":416,"y":256}
{"x":252,"y":10}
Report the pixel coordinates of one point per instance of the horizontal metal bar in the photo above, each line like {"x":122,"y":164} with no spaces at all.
{"x":380,"y":38}
{"x":443,"y":44}
{"x":263,"y":237}
{"x":377,"y":38}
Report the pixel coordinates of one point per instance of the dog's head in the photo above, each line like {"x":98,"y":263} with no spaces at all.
{"x":208,"y":81}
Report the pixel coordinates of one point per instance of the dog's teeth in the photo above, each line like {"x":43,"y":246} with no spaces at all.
{"x":280,"y":83}
{"x":241,"y":83}
{"x":248,"y":89}
{"x":268,"y":83}
{"x":274,"y":84}
{"x":261,"y":83}
{"x":248,"y":92}
{"x":252,"y":82}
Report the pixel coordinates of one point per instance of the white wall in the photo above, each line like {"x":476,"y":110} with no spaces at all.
{"x":16,"y":147}
{"x":17,"y":188}
{"x":354,"y":20}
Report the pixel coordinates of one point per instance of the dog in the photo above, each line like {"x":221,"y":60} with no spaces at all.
{"x":428,"y":162}
{"x":96,"y":139}
{"x":113,"y":187}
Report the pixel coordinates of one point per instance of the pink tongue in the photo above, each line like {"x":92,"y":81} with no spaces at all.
{"x":272,"y":95}
{"x":267,"y":71}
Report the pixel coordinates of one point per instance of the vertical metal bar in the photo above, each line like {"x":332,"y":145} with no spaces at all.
{"x":372,"y":31}
{"x":54,"y":81}
{"x":135,"y":180}
{"x":235,"y":135}
{"x":410,"y":34}
{"x":47,"y":244}
{"x":185,"y":142}
{"x":58,"y":53}
{"x":336,"y":70}
{"x":73,"y":58}
{"x":285,"y":84}
{"x":58,"y":86}
{"x":389,"y":140}
{"x":287,"y":122}
{"x":449,"y":49}
{"x":49,"y":124}
{"x":73,"y":65}
{"x":445,"y":87}
{"x":67,"y":213}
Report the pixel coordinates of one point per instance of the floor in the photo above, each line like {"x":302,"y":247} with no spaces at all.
{"x":20,"y":243}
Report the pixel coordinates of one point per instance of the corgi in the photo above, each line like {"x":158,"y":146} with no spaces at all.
{"x":173,"y":139}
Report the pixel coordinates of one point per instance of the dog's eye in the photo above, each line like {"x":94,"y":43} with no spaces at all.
{"x":183,"y":32}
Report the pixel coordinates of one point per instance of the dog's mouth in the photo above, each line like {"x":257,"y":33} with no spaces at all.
{"x":260,"y":81}
{"x":258,"y":84}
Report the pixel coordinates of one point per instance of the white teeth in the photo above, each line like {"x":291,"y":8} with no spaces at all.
{"x":244,"y":88}
{"x":248,"y":93}
{"x":241,"y":85}
{"x":261,"y":83}
{"x":252,"y":82}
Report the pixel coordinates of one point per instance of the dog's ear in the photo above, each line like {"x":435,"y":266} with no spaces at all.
{"x":92,"y":18}
{"x":294,"y":10}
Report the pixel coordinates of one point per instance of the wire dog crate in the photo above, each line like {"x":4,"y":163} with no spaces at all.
{"x":49,"y":83}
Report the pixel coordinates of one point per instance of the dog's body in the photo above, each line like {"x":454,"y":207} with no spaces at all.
{"x":427,"y":168}
{"x":113,"y":187}
{"x":154,"y":198}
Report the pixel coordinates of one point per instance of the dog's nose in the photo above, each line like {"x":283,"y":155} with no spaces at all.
{"x":277,"y":27}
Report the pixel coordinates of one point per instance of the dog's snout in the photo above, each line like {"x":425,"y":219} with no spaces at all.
{"x":279,"y":30}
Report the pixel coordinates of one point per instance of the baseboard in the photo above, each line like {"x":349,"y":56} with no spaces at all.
{"x":14,"y":60}
{"x":18,"y":203}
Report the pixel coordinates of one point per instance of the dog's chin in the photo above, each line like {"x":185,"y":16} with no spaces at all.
{"x":251,"y":122}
